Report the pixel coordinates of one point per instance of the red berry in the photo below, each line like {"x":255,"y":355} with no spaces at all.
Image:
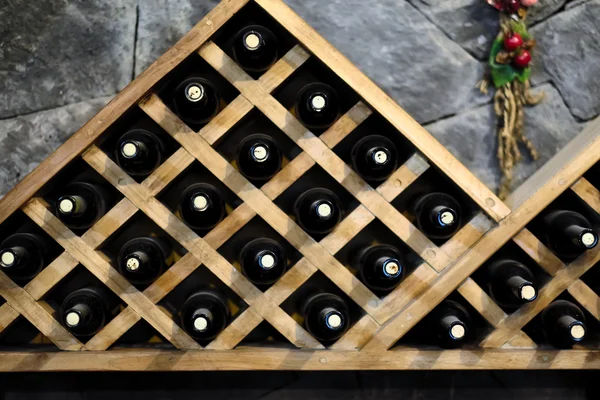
{"x":522,"y":59}
{"x":513,"y":42}
{"x":512,"y":6}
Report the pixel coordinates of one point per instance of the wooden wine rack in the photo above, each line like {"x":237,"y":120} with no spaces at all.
{"x":369,"y":343}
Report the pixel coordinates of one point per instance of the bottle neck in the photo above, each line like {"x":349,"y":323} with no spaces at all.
{"x":574,"y":329}
{"x":581,"y":237}
{"x":443,"y":216}
{"x":197,"y":94}
{"x":332,"y":319}
{"x":13,"y":257}
{"x":134,"y":150}
{"x":202,"y":320}
{"x":266,"y":260}
{"x":453,"y":327}
{"x":137,"y":262}
{"x":323,"y":209}
{"x":388,"y":268}
{"x":200,"y":202}
{"x":78,"y":316}
{"x":259,"y":152}
{"x":253,"y":43}
{"x":378,"y":157}
{"x":522,"y":289}
{"x":72,"y":205}
{"x":318,"y":103}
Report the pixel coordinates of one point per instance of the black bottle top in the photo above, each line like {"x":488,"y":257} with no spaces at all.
{"x":142,"y":260}
{"x":564,"y":324}
{"x":81,"y":204}
{"x":255,"y":48}
{"x":196,"y":101}
{"x":326,"y":316}
{"x":381,"y":267}
{"x":569,"y":233}
{"x":263,"y":261}
{"x":511,"y":284}
{"x":85,"y":311}
{"x":438,"y":215}
{"x":317,"y":106}
{"x":451,"y":324}
{"x":22,"y":256}
{"x":205,"y":314}
{"x":202,"y":206}
{"x":318,"y":211}
{"x":259,"y":157}
{"x":139,"y":152}
{"x":375,"y":158}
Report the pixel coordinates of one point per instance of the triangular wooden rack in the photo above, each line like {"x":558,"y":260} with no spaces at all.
{"x":369,"y":343}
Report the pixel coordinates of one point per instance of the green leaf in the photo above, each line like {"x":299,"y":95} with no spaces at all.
{"x":503,"y":76}
{"x":524,"y":74}
{"x":520,"y":28}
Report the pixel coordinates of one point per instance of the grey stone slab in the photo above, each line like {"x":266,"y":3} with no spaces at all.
{"x":569,"y":52}
{"x":543,"y":9}
{"x":397,"y":47}
{"x":162,"y":23}
{"x":57,"y":52}
{"x":471,"y":137}
{"x":27,"y":140}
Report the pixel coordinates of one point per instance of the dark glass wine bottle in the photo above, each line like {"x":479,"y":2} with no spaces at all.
{"x":81,"y":204}
{"x":196,"y":101}
{"x":564,"y":324}
{"x":438,"y":215}
{"x":202,"y":206}
{"x":22,"y":256}
{"x":375,"y":158}
{"x":381,"y":267}
{"x":451,"y":324}
{"x":85,"y":311}
{"x":511,"y":283}
{"x":255,"y":48}
{"x":318,"y":211}
{"x":259,"y":157}
{"x":317,"y":106}
{"x":139,"y":152}
{"x":263,"y":261}
{"x":142,"y":260}
{"x":326,"y":316}
{"x":569,"y":234}
{"x":205,"y":314}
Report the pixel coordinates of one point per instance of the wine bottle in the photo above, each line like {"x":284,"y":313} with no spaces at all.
{"x":564,"y":324}
{"x":375,"y":158}
{"x":263,"y":261}
{"x":438,"y":215}
{"x":142,"y":260}
{"x":317,"y":106}
{"x":568,"y":233}
{"x":81,"y":204}
{"x":259,"y":157}
{"x":139,"y":152}
{"x":326,"y":316}
{"x":205,"y":314}
{"x":85,"y":311}
{"x":380,"y":267}
{"x":451,"y":323}
{"x":255,"y":48}
{"x":22,"y":256}
{"x":202,"y":206}
{"x":196,"y":101}
{"x":511,"y":284}
{"x":318,"y":211}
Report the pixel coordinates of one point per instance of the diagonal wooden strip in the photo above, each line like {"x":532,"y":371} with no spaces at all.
{"x":288,"y":175}
{"x":78,"y":248}
{"x":260,"y":203}
{"x":109,"y":223}
{"x":506,"y":330}
{"x":382,"y":103}
{"x":324,"y":156}
{"x":51,"y":275}
{"x":284,"y":68}
{"x":403,"y":177}
{"x":588,"y":193}
{"x":24,"y":304}
{"x":8,"y":315}
{"x":194,"y":244}
{"x":168,"y":171}
{"x":359,"y":334}
{"x":346,"y":124}
{"x":586,"y":297}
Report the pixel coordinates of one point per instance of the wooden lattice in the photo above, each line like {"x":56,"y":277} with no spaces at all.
{"x":370,"y":342}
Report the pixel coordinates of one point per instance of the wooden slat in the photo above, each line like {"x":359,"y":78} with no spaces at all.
{"x":284,"y":68}
{"x":195,"y":245}
{"x":51,"y":275}
{"x":76,"y":247}
{"x":288,"y":175}
{"x":324,"y":156}
{"x":347,"y":229}
{"x":24,"y":304}
{"x":374,"y":96}
{"x":346,"y":124}
{"x":403,"y":177}
{"x":585,"y":296}
{"x":260,"y":203}
{"x":118,"y":106}
{"x":538,"y":252}
{"x":358,"y":335}
{"x":8,"y":315}
{"x":109,"y":223}
{"x":168,"y":171}
{"x":587,"y":193}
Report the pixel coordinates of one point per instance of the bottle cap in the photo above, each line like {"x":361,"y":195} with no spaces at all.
{"x":252,"y":40}
{"x":8,"y":258}
{"x":129,"y":149}
{"x":194,"y":92}
{"x":528,"y":292}
{"x":446,"y":217}
{"x":73,"y":319}
{"x":200,"y":323}
{"x":132,"y":264}
{"x":334,"y":320}
{"x":380,"y":157}
{"x":200,"y":202}
{"x":267,"y":259}
{"x":588,"y":239}
{"x":259,"y":152}
{"x":324,"y":209}
{"x":318,"y":102}
{"x":577,"y":331}
{"x":66,"y":205}
{"x":391,"y":268}
{"x":457,"y":331}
